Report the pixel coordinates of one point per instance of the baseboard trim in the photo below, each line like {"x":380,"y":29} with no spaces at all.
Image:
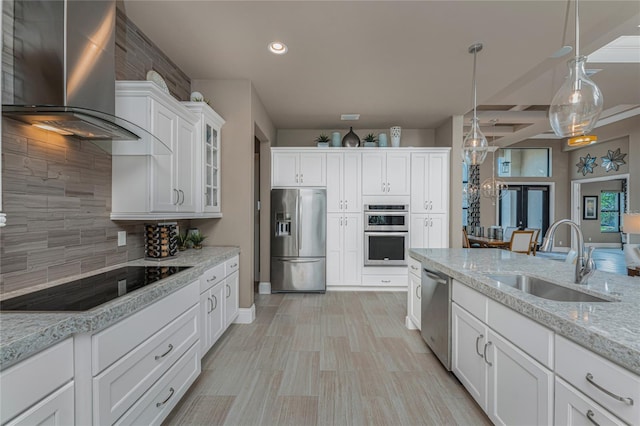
{"x":603,"y":245}
{"x":409,"y":324}
{"x":365,"y":288}
{"x":246,"y":315}
{"x":264,"y":287}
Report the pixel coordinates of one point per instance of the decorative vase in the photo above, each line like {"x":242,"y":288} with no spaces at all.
{"x":335,"y":139}
{"x":382,"y":140}
{"x":395,"y":132}
{"x":351,"y":139}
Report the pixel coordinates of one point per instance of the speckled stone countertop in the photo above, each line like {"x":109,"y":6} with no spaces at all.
{"x":611,"y":329}
{"x":22,"y":334}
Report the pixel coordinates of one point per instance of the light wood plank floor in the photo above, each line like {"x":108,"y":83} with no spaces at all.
{"x":342,"y":358}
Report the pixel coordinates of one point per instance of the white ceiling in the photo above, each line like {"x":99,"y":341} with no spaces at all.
{"x":394,"y":62}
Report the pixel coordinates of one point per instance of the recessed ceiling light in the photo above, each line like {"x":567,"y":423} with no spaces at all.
{"x":350,"y":117}
{"x":278,"y":47}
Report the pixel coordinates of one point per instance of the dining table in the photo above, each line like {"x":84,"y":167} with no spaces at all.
{"x":485,"y":242}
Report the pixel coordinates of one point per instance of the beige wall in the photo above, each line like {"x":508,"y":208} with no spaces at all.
{"x":560,"y":177}
{"x":307,"y":137}
{"x":591,"y":228}
{"x":450,"y":135}
{"x":598,"y":151}
{"x":232,"y":100}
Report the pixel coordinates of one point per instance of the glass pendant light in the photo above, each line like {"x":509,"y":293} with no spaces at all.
{"x":493,"y":188}
{"x":474,"y":146}
{"x":576,"y":107}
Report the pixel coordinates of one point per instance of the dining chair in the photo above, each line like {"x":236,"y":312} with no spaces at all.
{"x":465,"y":240}
{"x":521,"y":242}
{"x":534,"y":239}
{"x":508,"y":231}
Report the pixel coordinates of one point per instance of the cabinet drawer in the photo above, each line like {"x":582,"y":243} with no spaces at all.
{"x":56,"y":409}
{"x":212,"y":277}
{"x":114,"y":342}
{"x":231,"y":265}
{"x":385,"y":280}
{"x":471,"y":300}
{"x":536,"y":342}
{"x":124,"y":382}
{"x":28,"y":382}
{"x":573,"y":408}
{"x":574,"y":363}
{"x":158,"y":402}
{"x":415,"y":267}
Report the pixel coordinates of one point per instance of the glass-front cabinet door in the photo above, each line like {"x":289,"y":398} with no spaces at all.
{"x":209,"y":182}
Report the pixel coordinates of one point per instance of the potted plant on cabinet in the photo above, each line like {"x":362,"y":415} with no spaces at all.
{"x":370,"y":140}
{"x":197,"y":238}
{"x":323,"y":140}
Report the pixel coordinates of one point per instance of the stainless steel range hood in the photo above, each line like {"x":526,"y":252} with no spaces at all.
{"x":62,"y":73}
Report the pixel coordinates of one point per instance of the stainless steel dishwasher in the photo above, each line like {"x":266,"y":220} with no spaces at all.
{"x":436,"y":314}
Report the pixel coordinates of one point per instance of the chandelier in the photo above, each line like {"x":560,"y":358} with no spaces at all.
{"x":470,"y":194}
{"x":493,"y":188}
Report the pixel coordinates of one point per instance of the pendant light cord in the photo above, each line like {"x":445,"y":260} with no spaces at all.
{"x":577,"y":32}
{"x":475,"y":98}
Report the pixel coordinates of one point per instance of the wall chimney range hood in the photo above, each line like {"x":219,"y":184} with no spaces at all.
{"x":61,"y":73}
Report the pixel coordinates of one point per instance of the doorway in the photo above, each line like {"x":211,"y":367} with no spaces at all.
{"x":256,"y":213}
{"x":525,"y":206}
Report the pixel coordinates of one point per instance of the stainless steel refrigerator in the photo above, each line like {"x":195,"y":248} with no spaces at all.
{"x":298,"y":240}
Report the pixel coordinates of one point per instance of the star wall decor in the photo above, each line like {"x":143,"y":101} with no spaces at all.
{"x":613,"y":160}
{"x":587,"y":164}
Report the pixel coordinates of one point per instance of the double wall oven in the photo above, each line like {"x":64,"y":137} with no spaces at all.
{"x":386,"y":234}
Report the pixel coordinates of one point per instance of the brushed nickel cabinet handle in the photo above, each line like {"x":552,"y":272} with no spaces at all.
{"x":386,"y":281}
{"x":228,"y":291}
{"x":212,"y":279}
{"x":234,"y":265}
{"x":590,"y":417}
{"x":165,"y":354}
{"x":484,"y":352}
{"x":625,"y":399}
{"x":182,"y":193}
{"x":346,"y":221}
{"x":340,"y":221}
{"x":301,"y":178}
{"x":346,"y":204}
{"x":340,"y":204}
{"x":425,"y":205}
{"x":388,"y":187}
{"x":418,"y":291}
{"x":175,"y":203}
{"x":160,"y":404}
{"x":383,"y":190}
{"x":215,"y":299}
{"x":210,"y":305}
{"x":297,"y":178}
{"x":478,"y":340}
{"x":430,"y":205}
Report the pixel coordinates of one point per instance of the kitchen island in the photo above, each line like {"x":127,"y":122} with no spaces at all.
{"x":611,"y":329}
{"x":23,"y":334}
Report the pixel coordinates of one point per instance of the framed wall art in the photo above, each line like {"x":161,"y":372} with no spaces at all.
{"x":590,"y":207}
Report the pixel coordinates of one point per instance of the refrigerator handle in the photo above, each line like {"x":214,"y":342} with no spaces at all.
{"x":298,"y":223}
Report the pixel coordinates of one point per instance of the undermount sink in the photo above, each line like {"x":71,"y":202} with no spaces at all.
{"x":544,"y":289}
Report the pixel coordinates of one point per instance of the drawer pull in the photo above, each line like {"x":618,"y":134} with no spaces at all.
{"x":414,"y":268}
{"x":590,"y":416}
{"x":212,"y":279}
{"x":386,"y":281}
{"x":484,"y":352}
{"x":228,"y":290}
{"x":478,"y":340}
{"x":234,"y":265}
{"x":160,"y":404}
{"x":626,"y":400}
{"x":166,"y":353}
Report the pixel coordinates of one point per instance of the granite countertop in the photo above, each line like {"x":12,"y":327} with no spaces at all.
{"x":22,"y":334}
{"x":611,"y":329}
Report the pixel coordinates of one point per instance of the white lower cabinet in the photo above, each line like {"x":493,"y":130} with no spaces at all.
{"x":509,"y":385}
{"x":40,"y":388}
{"x":344,"y":249}
{"x":231,"y":288}
{"x":211,"y":317}
{"x":413,"y":294}
{"x":572,"y":408}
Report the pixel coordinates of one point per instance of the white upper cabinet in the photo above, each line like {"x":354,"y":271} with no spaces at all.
{"x":182,"y":184}
{"x":208,"y":159}
{"x":344,"y":182}
{"x":298,"y":168}
{"x":386,"y":173}
{"x":429,"y":182}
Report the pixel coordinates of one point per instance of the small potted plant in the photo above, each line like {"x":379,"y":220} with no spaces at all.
{"x":370,"y":140}
{"x":323,"y":140}
{"x":196,"y":239}
{"x":182,"y":239}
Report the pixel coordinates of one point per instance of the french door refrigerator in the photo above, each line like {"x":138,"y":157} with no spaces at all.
{"x":298,"y":240}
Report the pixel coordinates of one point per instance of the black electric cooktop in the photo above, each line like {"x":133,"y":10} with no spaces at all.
{"x":89,"y":292}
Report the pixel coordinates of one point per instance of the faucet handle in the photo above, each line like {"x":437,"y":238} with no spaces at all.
{"x":588,"y":265}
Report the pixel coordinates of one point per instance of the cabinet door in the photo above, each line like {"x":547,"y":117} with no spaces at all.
{"x":373,"y":177}
{"x":335,"y":202}
{"x":572,"y":408}
{"x":520,"y":389}
{"x":285,"y":169}
{"x":469,"y":336}
{"x":216,"y":312}
{"x":205,"y":322}
{"x":414,"y":300}
{"x":353,"y":241}
{"x":164,"y":194}
{"x":185,"y":157}
{"x":437,"y":182}
{"x":211,"y":176}
{"x":419,"y":231}
{"x":352,"y":182}
{"x":419,"y":184}
{"x":335,"y":223}
{"x":398,"y":173}
{"x":438,"y":231}
{"x":312,"y":169}
{"x":57,"y":409}
{"x":231,"y":288}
